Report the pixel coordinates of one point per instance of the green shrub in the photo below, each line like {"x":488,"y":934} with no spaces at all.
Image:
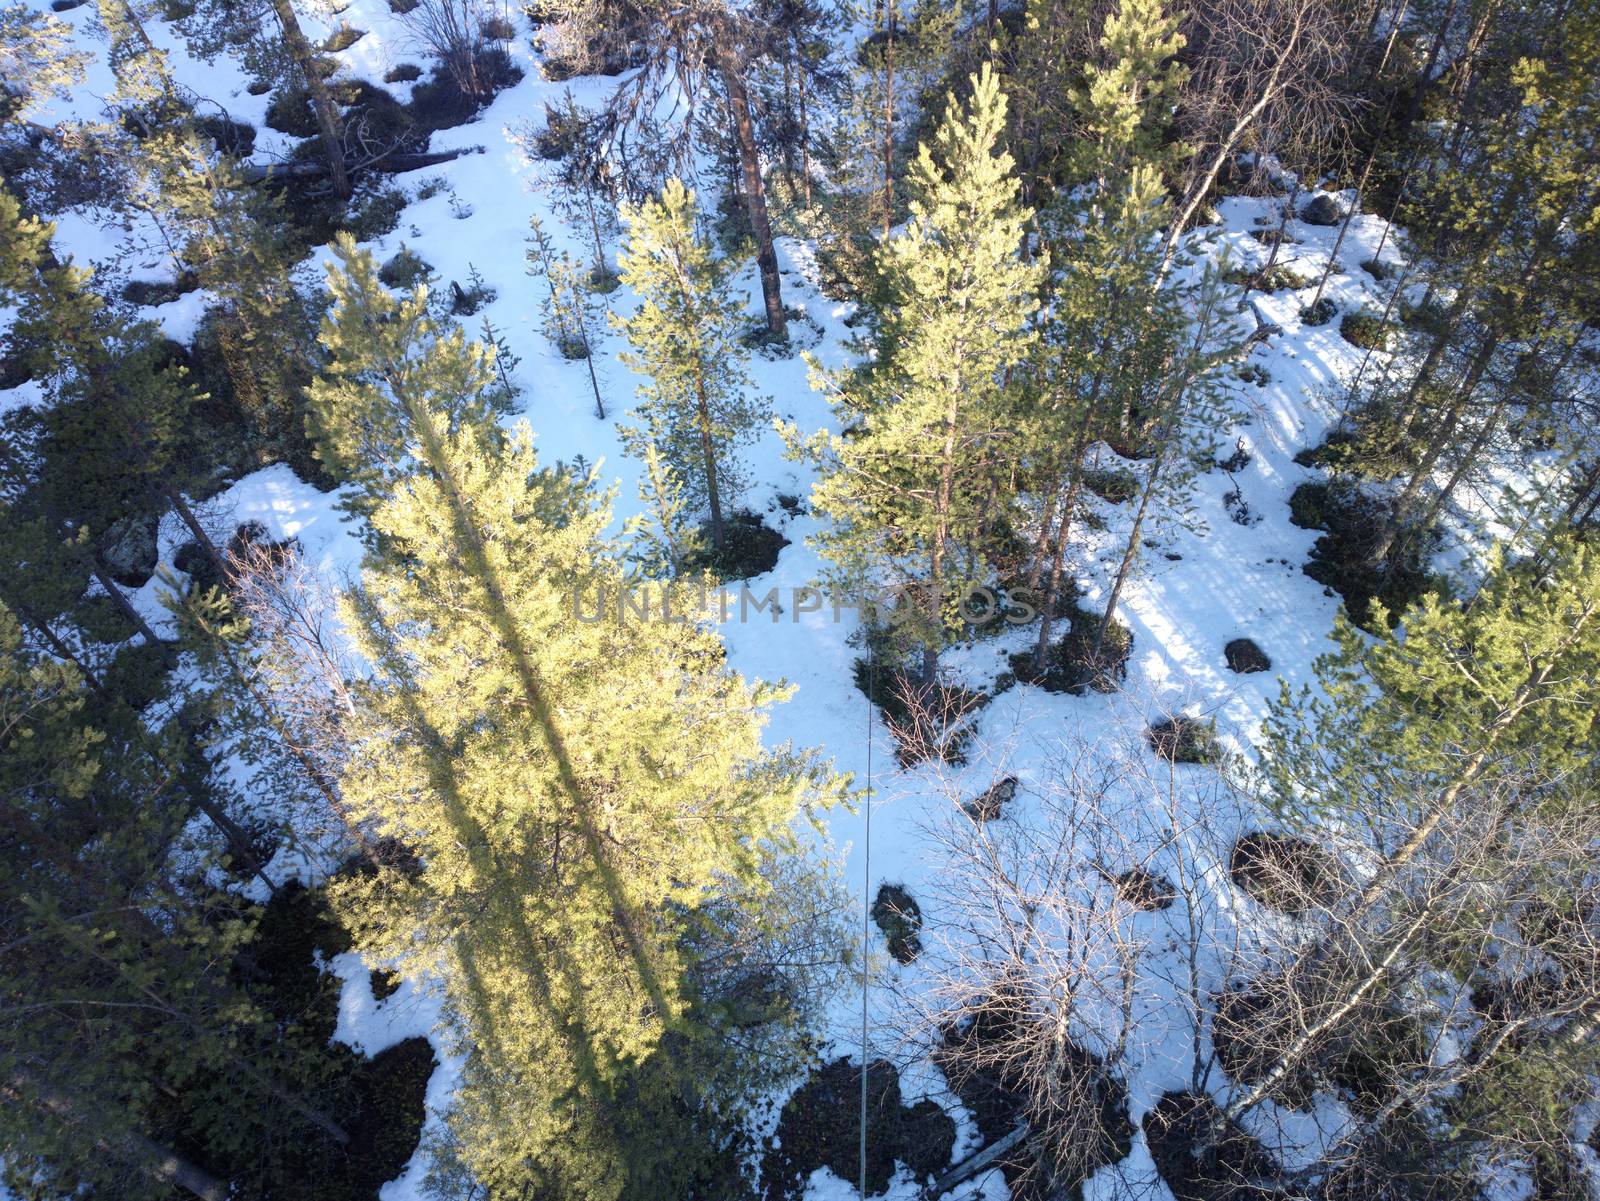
{"x":1254,"y":373}
{"x":1378,"y":269}
{"x":100,"y":619}
{"x":1274,"y":237}
{"x":749,"y":548}
{"x":1072,"y":664}
{"x":1318,"y":314}
{"x":290,"y":112}
{"x":1280,"y":278}
{"x":375,"y":212}
{"x":404,"y":270}
{"x":383,"y":983}
{"x":138,"y":673}
{"x":1366,"y":331}
{"x":385,"y":1121}
{"x":439,"y":103}
{"x":899,"y":917}
{"x":236,"y":138}
{"x":1142,"y":889}
{"x":1342,"y":560}
{"x":343,"y":38}
{"x":1306,"y":504}
{"x":157,"y":292}
{"x":820,"y":1127}
{"x":1183,"y":739}
{"x":1114,"y":484}
{"x":403,"y":73}
{"x":1372,"y":440}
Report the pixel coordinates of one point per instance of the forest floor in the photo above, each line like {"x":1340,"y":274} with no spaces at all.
{"x":1203,"y":584}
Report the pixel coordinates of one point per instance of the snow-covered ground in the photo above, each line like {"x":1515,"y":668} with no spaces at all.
{"x":1198,"y":588}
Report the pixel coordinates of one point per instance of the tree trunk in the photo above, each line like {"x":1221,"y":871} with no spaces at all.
{"x":1277,"y":247}
{"x":1441,"y":440}
{"x":1129,"y":554}
{"x":888,"y":119}
{"x":755,"y":194}
{"x":805,"y":143}
{"x":708,"y":453}
{"x":1053,"y":592}
{"x":322,"y":105}
{"x":941,"y":538}
{"x":202,"y":538}
{"x":1344,"y":228}
{"x":124,"y":606}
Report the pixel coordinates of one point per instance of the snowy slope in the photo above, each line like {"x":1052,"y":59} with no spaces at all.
{"x":1197,"y":591}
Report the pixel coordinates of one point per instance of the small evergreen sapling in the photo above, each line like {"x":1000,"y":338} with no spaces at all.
{"x":571,"y":312}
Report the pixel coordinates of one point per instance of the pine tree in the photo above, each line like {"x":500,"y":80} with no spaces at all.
{"x":911,"y":487}
{"x":1107,"y":327}
{"x":1450,"y":759}
{"x":577,"y":798}
{"x":1461,"y":691}
{"x":123,"y":1025}
{"x":348,"y":409}
{"x":109,"y":447}
{"x":686,"y":337}
{"x":1506,"y":253}
{"x":224,"y":232}
{"x":572,"y":318}
{"x":865,"y":149}
{"x":1126,"y":105}
{"x":37,"y":61}
{"x":268,"y":37}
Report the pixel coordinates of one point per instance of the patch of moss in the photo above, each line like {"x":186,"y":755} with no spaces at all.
{"x":1195,"y":1162}
{"x":1245,"y":657}
{"x":820,"y":1126}
{"x":1283,"y":872}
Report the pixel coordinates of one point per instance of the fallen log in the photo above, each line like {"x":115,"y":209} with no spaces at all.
{"x":975,"y":1163}
{"x":389,"y":164}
